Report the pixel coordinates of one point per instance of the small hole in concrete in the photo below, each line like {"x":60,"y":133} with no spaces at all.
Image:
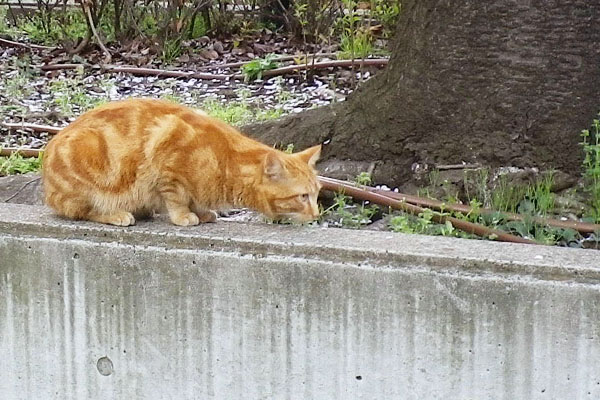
{"x":76,"y":256}
{"x":194,"y":262}
{"x":105,"y":366}
{"x":359,"y":378}
{"x":58,"y":283}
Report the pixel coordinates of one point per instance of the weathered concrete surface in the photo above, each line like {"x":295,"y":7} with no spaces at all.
{"x":21,"y":189}
{"x":236,"y":311}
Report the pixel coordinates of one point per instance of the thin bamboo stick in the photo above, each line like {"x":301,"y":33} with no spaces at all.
{"x":582,"y":227}
{"x":380,"y":199}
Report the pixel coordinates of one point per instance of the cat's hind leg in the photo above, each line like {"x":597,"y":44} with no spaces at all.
{"x":74,"y":206}
{"x":119,"y":218}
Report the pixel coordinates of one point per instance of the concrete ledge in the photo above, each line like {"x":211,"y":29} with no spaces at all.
{"x":258,"y":311}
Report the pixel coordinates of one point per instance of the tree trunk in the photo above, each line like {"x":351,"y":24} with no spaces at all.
{"x":501,"y":83}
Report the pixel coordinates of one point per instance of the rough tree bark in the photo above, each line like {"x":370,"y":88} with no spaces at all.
{"x":502,"y":83}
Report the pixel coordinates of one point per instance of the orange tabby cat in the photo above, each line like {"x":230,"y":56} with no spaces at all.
{"x":135,"y":157}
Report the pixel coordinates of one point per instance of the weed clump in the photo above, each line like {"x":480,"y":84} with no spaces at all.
{"x":591,"y":167}
{"x":17,"y":164}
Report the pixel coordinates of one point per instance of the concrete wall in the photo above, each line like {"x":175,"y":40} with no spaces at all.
{"x":236,"y":311}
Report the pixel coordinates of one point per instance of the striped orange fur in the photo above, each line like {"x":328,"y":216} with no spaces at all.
{"x":132,"y":158}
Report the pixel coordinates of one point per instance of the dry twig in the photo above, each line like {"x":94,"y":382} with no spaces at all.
{"x":86,"y":9}
{"x":15,"y":194}
{"x":200,"y":75}
{"x":25,"y":45}
{"x":32,"y":127}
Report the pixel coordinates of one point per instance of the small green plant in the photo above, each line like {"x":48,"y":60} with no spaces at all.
{"x":173,"y":98}
{"x":347,"y":214}
{"x":421,"y":224}
{"x":402,"y":223}
{"x":171,"y":49}
{"x":355,"y":45}
{"x":254,"y":69}
{"x":289,"y":148}
{"x":364,"y":178}
{"x":17,"y":164}
{"x":386,"y":12}
{"x":591,"y":167}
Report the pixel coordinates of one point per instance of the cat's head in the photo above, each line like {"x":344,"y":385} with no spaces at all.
{"x":288,"y":187}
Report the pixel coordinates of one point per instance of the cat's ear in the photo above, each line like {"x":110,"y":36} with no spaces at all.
{"x":273,"y":166}
{"x":310,"y":155}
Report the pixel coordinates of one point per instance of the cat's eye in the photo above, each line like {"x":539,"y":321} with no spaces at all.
{"x":304,"y":197}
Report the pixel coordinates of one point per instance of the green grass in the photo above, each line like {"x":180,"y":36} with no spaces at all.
{"x":71,"y":98}
{"x":506,"y":196}
{"x":17,"y":164}
{"x":423,"y":224}
{"x":5,"y":27}
{"x":238,"y":112}
{"x":55,"y":28}
{"x":17,"y":80}
{"x":355,"y":45}
{"x":171,"y":49}
{"x":18,"y":86}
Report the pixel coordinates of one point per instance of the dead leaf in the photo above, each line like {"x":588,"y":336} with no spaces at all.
{"x":218,"y":47}
{"x":209,"y":54}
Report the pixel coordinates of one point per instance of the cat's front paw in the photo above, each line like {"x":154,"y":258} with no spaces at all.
{"x":185,"y":219}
